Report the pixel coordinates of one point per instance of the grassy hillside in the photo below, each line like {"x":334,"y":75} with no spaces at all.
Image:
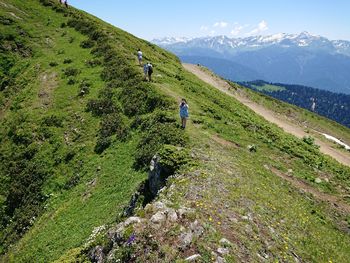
{"x":79,"y":126}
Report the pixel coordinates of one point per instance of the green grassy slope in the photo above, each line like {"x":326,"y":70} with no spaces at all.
{"x":50,"y":132}
{"x":55,"y":182}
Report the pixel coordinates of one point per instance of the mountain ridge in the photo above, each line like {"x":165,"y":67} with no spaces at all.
{"x":302,"y":59}
{"x":303,"y":39}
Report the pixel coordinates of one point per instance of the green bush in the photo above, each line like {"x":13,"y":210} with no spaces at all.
{"x":112,"y":124}
{"x":71,"y":81}
{"x":52,"y":121}
{"x":102,"y":144}
{"x":67,"y":61}
{"x":84,"y":87}
{"x":101,"y":107}
{"x":172,"y":157}
{"x":71,"y":72}
{"x":93,"y":63}
{"x":154,"y":138}
{"x":53,"y":64}
{"x":87,"y":43}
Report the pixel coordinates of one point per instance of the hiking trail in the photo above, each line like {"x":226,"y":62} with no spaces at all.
{"x":220,"y":84}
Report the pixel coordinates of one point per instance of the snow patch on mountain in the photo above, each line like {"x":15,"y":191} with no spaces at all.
{"x":227,"y":44}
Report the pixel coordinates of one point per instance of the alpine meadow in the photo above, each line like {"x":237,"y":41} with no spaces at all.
{"x":95,"y":166}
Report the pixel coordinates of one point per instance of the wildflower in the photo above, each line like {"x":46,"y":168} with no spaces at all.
{"x":131,"y":239}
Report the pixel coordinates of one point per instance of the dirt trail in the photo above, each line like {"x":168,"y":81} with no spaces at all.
{"x":336,"y":202}
{"x":326,"y":148}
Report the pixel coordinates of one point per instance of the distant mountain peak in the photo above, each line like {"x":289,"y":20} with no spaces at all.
{"x":225,"y":44}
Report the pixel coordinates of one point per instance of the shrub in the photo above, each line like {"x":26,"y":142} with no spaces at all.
{"x":84,"y":88}
{"x":87,"y":43}
{"x":154,"y":138}
{"x":71,"y":40}
{"x":53,"y":64}
{"x":93,"y":62}
{"x":142,"y":99}
{"x":310,"y":141}
{"x":71,"y":81}
{"x":52,"y":121}
{"x":67,"y":61}
{"x":100,"y":107}
{"x":69,"y":72}
{"x":172,"y":158}
{"x":102,"y":144}
{"x":114,"y":124}
{"x":6,"y":21}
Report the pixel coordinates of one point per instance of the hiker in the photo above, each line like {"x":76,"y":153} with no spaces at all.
{"x":139,"y":56}
{"x":66,"y":3}
{"x":183,"y":113}
{"x":149,"y":71}
{"x":145,"y":70}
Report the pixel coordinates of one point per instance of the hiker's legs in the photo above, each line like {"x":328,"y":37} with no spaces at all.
{"x":183,"y":122}
{"x":150,"y":77}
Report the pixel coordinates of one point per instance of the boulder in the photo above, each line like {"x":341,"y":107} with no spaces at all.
{"x":132,"y":220}
{"x":186,"y":239}
{"x":96,"y":254}
{"x":193,"y":258}
{"x":225,"y":242}
{"x":158,"y":218}
{"x":171,"y":215}
{"x":223,"y":251}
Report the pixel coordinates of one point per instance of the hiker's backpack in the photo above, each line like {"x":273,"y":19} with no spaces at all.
{"x":150,"y":69}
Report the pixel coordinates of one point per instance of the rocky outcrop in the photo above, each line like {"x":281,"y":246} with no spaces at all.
{"x":157,"y":175}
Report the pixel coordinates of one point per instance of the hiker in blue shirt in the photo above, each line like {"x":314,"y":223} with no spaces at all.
{"x":183,"y":113}
{"x":145,"y":70}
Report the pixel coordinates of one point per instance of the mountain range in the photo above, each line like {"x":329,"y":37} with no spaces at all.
{"x":303,"y":59}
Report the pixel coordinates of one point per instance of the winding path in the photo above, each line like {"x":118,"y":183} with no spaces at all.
{"x":326,"y":148}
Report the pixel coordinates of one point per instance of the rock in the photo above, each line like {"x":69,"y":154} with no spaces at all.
{"x":182,"y":212}
{"x":266,"y":167}
{"x":196,"y":228}
{"x":158,"y":218}
{"x":290,"y":171}
{"x":220,"y":260}
{"x":171,"y":215}
{"x":318,"y":180}
{"x":159,"y":205}
{"x":157,"y":175}
{"x":116,"y":234}
{"x":252,"y":148}
{"x":132,"y":220}
{"x":186,"y":239}
{"x":193,"y":258}
{"x":96,"y":254}
{"x":223,"y":251}
{"x":225,"y":242}
{"x":111,"y":255}
{"x":233,"y":219}
{"x":245,"y":218}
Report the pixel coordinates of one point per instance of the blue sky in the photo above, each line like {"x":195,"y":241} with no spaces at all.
{"x":150,"y":19}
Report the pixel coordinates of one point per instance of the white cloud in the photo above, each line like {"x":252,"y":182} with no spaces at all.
{"x":221,"y":24}
{"x":204,"y":28}
{"x":262,"y":26}
{"x":212,"y":32}
{"x":236,"y":30}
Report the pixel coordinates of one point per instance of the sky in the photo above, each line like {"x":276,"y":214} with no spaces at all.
{"x":149,"y":19}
